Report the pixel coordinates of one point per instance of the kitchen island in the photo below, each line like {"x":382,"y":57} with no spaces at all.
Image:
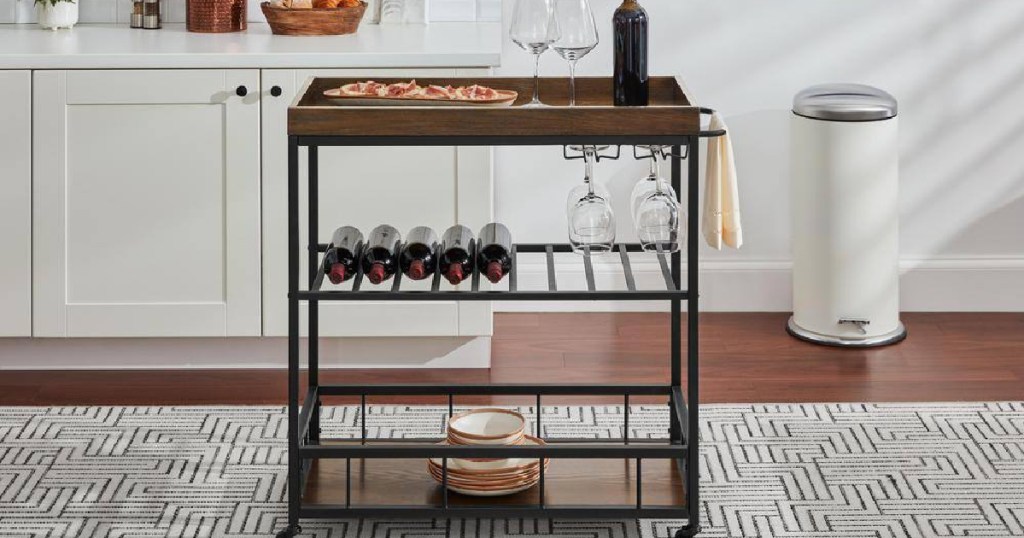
{"x":115,"y":46}
{"x":143,"y":196}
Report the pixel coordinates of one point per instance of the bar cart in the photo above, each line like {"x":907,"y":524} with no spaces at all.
{"x":327,"y":478}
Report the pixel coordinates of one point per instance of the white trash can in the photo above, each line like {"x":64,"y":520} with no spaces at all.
{"x":845,"y":216}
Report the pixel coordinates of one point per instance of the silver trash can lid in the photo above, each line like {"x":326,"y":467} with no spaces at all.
{"x":844,"y":102}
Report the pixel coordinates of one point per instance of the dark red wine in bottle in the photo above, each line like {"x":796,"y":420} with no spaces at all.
{"x":379,"y":258}
{"x":343,"y":254}
{"x":494,"y":253}
{"x":457,"y":253}
{"x":419,"y":259}
{"x":629,"y":39}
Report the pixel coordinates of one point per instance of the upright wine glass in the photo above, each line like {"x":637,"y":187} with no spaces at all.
{"x":534,"y":29}
{"x":577,"y":36}
{"x":655,"y":209}
{"x":589,"y":211}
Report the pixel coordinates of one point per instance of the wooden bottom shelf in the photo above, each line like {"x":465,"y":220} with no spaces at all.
{"x":406,"y":482}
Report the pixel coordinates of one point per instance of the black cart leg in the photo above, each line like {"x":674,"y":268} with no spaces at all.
{"x":314,"y":307}
{"x":693,"y":366}
{"x":294,"y":465}
{"x":675,"y":434}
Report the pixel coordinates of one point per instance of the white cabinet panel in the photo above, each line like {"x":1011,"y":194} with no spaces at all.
{"x":146,"y":206}
{"x":364,"y":187}
{"x":15,"y":203}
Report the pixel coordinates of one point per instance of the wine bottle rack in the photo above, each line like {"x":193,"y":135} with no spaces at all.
{"x":470,"y":291}
{"x":326,"y":477}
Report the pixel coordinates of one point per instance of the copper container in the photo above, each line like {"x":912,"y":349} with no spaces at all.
{"x":215,"y":16}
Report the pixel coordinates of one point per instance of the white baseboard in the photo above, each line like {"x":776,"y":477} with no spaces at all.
{"x":943,"y":285}
{"x":190,"y":353}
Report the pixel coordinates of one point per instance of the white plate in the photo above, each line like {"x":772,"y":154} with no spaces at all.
{"x":485,"y":426}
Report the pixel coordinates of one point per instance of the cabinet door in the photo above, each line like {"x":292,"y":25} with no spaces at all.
{"x":364,"y":187}
{"x":146,"y":203}
{"x":15,"y":203}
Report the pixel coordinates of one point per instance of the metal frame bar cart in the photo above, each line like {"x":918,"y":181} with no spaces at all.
{"x":327,"y":478}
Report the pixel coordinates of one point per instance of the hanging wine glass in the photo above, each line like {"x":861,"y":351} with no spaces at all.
{"x":655,"y":209}
{"x":533,"y":29}
{"x":577,"y":36}
{"x":589,"y":211}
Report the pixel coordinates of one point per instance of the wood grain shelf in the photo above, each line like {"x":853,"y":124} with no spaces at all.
{"x":568,"y":482}
{"x":670,"y":113}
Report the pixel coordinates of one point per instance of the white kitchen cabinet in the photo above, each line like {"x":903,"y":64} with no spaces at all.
{"x":15,"y":203}
{"x":146,"y":196}
{"x":364,"y":187}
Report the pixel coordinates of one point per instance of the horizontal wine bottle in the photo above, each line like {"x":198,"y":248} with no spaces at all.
{"x":494,"y":253}
{"x":379,"y":258}
{"x":342,"y":255}
{"x":457,"y":254}
{"x":419,"y":259}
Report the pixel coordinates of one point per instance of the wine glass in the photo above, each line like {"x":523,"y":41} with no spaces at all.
{"x":655,"y":209}
{"x":589,"y":211}
{"x":534,"y":29}
{"x":577,"y":36}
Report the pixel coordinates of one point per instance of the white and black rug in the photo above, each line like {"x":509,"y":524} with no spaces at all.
{"x":849,"y":470}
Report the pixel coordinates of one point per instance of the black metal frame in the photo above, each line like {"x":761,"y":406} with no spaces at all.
{"x":304,"y":443}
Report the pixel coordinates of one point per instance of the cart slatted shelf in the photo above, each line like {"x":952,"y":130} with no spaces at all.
{"x":387,"y":478}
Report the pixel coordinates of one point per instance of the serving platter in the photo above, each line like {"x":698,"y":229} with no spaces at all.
{"x":336,"y":97}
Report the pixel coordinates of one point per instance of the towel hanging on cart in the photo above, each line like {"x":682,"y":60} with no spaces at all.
{"x":721,"y":218}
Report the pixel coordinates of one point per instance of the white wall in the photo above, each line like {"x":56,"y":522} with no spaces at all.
{"x":957,"y":68}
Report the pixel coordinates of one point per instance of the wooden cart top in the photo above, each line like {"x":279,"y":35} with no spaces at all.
{"x":670,"y":112}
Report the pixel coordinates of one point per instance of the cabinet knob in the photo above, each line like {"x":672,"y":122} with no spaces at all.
{"x":241,"y":91}
{"x":275,"y":91}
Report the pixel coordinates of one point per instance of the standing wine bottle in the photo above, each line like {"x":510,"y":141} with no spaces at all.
{"x":494,"y":255}
{"x":418,"y":259}
{"x":343,"y":254}
{"x":379,"y":258}
{"x":457,"y":253}
{"x":629,"y":28}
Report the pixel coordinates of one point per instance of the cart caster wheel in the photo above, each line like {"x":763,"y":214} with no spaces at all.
{"x":688,"y":531}
{"x":290,"y":532}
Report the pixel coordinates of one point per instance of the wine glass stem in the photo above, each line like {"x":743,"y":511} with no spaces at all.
{"x":656,"y":169}
{"x":536,"y":78}
{"x":572,"y":82}
{"x":588,"y":176}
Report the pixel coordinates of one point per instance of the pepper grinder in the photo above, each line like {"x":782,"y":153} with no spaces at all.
{"x":138,"y":10}
{"x":151,"y":14}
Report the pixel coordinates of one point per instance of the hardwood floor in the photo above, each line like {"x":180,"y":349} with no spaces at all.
{"x":745,"y":357}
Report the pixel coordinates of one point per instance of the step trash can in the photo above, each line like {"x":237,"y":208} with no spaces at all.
{"x":845,"y":216}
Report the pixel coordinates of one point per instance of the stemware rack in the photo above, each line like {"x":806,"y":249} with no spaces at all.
{"x":327,"y":478}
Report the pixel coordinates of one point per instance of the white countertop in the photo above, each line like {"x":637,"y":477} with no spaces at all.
{"x":113,"y":46}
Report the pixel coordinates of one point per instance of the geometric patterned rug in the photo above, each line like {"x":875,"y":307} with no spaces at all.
{"x":789,"y":470}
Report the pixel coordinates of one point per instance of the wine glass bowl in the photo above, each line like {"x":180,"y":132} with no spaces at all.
{"x":591,"y":220}
{"x":533,"y":28}
{"x":657,"y":223}
{"x":589,"y":213}
{"x":655,"y":209}
{"x":577,"y":36}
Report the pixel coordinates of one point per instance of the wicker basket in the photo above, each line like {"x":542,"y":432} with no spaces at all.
{"x":315,"y":21}
{"x":215,"y":16}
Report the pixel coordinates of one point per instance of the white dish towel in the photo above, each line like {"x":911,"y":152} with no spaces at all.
{"x":721,"y":219}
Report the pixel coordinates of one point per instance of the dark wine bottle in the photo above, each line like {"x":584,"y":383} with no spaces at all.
{"x":494,"y":254}
{"x":418,"y":259}
{"x":629,"y":29}
{"x":379,"y":258}
{"x":343,"y":254}
{"x":457,"y":253}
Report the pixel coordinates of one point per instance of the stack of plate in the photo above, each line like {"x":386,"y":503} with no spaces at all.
{"x":488,"y":477}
